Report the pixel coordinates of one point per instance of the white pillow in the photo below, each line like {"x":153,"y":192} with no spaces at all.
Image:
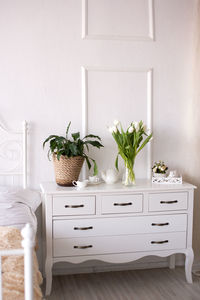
{"x":17,"y":194}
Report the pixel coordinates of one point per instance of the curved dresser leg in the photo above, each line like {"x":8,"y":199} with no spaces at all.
{"x":172,"y":261}
{"x":48,"y":272}
{"x":188,"y":264}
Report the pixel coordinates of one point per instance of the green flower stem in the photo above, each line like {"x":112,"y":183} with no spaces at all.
{"x":129,"y":175}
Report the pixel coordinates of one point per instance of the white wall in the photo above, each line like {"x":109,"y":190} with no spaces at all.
{"x":41,"y":54}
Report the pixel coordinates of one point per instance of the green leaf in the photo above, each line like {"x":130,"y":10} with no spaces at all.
{"x":80,"y":147}
{"x":76,"y":135}
{"x":88,"y":162}
{"x":93,"y":143}
{"x":53,"y":145}
{"x":68,"y":128}
{"x":59,"y":155}
{"x":73,"y":148}
{"x":92,"y":136}
{"x":49,"y":138}
{"x":95,"y":168}
{"x":144,"y":143}
{"x":116,"y":162}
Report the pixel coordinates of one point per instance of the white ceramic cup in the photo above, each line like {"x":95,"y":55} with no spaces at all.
{"x":80,"y":184}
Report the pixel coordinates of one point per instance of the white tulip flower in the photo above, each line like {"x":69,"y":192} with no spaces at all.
{"x":116,"y":122}
{"x":136,"y":125}
{"x":110,"y":129}
{"x":144,"y":128}
{"x":130,"y":130}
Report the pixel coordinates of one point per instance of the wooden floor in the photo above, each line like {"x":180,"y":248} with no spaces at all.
{"x":156,"y":284}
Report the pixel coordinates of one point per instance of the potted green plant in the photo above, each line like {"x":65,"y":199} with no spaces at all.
{"x":69,"y":155}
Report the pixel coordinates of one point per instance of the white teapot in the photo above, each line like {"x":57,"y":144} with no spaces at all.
{"x":110,"y":176}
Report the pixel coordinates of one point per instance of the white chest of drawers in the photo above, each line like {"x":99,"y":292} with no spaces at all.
{"x":117,"y":224}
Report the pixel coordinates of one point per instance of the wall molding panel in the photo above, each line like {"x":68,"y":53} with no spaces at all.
{"x":149,"y":36}
{"x":149,"y":103}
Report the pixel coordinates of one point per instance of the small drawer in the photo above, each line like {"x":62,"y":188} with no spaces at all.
{"x":64,"y":206}
{"x":118,"y":244}
{"x":118,"y":204}
{"x":168,"y":201}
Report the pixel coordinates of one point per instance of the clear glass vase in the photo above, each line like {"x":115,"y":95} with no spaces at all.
{"x":129,"y":176}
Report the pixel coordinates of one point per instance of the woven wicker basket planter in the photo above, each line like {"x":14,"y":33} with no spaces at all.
{"x":67,"y":169}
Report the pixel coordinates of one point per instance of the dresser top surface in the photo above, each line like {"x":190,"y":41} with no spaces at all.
{"x":142,"y":185}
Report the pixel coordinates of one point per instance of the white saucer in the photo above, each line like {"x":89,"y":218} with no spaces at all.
{"x":95,"y":183}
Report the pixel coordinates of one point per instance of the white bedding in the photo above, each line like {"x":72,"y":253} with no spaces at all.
{"x":18,"y":206}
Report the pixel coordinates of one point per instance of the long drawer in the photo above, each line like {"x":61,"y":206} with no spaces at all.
{"x":116,"y":204}
{"x":119,"y":226}
{"x":168,"y":201}
{"x":78,"y":205}
{"x":118,"y":244}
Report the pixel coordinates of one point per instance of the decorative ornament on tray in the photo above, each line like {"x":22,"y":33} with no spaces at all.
{"x":159,"y":174}
{"x":159,"y":169}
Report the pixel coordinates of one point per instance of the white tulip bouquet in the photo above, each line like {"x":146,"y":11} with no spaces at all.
{"x":130,"y":143}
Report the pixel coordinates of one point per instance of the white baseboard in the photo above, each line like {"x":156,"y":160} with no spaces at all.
{"x":96,"y":266}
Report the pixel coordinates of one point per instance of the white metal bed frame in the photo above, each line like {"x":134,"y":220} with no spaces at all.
{"x":27,"y":251}
{"x":23,"y":145}
{"x":27,"y":232}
